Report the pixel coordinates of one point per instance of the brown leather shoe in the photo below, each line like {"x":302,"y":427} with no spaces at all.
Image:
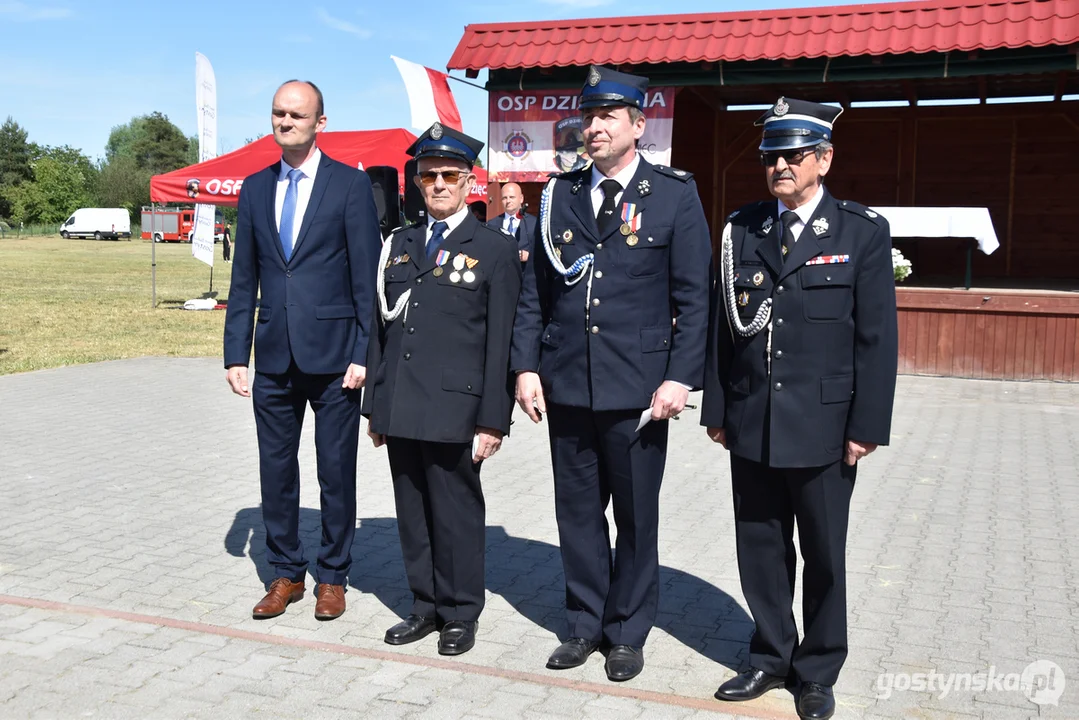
{"x":282,"y":592}
{"x":331,"y":601}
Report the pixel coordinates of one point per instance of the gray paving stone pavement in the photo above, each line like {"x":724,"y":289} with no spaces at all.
{"x":131,"y":552}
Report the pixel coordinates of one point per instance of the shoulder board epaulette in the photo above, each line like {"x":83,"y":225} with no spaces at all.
{"x":749,"y":211}
{"x":572,"y":174}
{"x":859,"y":209}
{"x":675,"y":173}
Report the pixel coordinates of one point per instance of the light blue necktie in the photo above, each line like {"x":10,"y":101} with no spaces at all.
{"x":513,"y":226}
{"x":437,"y":230}
{"x":288,"y":211}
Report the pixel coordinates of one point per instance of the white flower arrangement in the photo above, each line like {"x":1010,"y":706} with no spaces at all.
{"x":900,"y":265}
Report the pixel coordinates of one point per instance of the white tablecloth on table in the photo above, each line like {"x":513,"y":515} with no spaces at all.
{"x":943,"y":222}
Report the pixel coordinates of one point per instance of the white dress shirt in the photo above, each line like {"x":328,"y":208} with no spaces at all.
{"x":622,"y":178}
{"x":452,"y":221}
{"x":303,"y":192}
{"x":804,"y":212}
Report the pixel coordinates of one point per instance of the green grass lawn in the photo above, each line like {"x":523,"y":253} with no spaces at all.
{"x":64,"y":302}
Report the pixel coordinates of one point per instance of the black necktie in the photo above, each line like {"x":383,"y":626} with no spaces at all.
{"x":607,"y":220}
{"x":788,"y":219}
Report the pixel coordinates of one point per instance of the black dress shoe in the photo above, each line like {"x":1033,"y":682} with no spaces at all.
{"x":571,"y":654}
{"x":815,"y":702}
{"x":624,"y":663}
{"x":749,"y":685}
{"x":409,"y":630}
{"x":457,"y":638}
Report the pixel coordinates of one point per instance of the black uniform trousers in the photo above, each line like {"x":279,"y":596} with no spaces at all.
{"x":597,"y":456}
{"x":441,"y":520}
{"x":767,"y":503}
{"x":279,"y":401}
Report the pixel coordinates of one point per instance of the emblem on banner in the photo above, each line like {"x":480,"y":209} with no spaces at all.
{"x":436,"y":132}
{"x":517,"y":145}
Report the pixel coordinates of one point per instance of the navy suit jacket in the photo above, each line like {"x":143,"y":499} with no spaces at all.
{"x":316,"y":307}
{"x":526,"y":229}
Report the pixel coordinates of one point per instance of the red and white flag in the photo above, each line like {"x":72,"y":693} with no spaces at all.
{"x":429,"y":96}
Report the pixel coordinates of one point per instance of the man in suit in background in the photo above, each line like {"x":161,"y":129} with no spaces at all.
{"x":514,"y":221}
{"x":308,"y":241}
{"x":439,"y":396}
{"x":802,"y":356}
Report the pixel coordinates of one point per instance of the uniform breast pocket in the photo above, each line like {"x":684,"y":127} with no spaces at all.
{"x":457,"y":291}
{"x":827,"y":292}
{"x":396,"y":282}
{"x":647,"y":251}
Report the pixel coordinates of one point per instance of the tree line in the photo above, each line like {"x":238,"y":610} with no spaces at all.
{"x":41,"y":184}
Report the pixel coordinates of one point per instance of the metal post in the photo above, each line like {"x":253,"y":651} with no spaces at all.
{"x":211,"y":279}
{"x":970,"y":245}
{"x":153,"y":256}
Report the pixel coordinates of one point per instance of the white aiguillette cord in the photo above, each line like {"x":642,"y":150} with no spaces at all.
{"x":401,"y":305}
{"x":573,"y":274}
{"x":763,"y":316}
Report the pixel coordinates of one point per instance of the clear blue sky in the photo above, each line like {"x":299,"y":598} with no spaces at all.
{"x":73,"y":70}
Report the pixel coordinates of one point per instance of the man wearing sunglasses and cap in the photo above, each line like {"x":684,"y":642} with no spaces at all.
{"x":439,"y":396}
{"x":623,"y":250}
{"x":802,"y":357}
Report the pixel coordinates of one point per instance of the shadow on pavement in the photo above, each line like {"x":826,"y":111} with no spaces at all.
{"x":526,"y":573}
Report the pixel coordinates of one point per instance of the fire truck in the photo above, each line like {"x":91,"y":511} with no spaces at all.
{"x":175,"y":224}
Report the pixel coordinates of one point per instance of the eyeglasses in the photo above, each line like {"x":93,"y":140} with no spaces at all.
{"x":452,"y":177}
{"x":791,"y":157}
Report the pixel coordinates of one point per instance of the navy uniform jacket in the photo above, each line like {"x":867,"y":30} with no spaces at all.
{"x":616,"y":356}
{"x":526,"y":230}
{"x":440,"y":371}
{"x":834,"y":349}
{"x":316,"y":307}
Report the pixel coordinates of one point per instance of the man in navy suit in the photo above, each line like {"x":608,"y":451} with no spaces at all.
{"x":514,"y":221}
{"x":307,"y":240}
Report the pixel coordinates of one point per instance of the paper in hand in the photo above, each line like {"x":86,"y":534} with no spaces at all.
{"x":475,"y":444}
{"x":646,"y":417}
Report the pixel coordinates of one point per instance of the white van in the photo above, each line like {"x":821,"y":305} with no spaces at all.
{"x":98,"y":223}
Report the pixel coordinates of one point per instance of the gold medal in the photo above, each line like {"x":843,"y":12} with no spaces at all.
{"x":625,"y":229}
{"x":743,"y":299}
{"x":758,"y":278}
{"x":437,"y":271}
{"x":567,"y":236}
{"x":631,"y":240}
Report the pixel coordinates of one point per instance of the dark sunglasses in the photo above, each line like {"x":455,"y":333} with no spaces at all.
{"x":791,"y":157}
{"x":452,"y":177}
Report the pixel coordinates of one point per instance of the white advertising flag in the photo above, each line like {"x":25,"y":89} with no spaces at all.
{"x":202,"y":236}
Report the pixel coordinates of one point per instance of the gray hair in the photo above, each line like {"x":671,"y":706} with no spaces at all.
{"x":822,"y":147}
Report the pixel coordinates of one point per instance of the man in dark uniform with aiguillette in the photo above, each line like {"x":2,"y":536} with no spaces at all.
{"x":802,"y":356}
{"x":439,"y":395}
{"x":623,"y":249}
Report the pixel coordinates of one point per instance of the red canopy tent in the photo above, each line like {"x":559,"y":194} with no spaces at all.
{"x":220,"y":179}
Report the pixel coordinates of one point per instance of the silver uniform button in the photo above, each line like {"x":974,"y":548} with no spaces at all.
{"x":779,"y":322}
{"x":779,"y":354}
{"x":595,"y":329}
{"x":779,"y":386}
{"x":780,"y":289}
{"x":599,"y":274}
{"x":599,"y":246}
{"x":595,"y":301}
